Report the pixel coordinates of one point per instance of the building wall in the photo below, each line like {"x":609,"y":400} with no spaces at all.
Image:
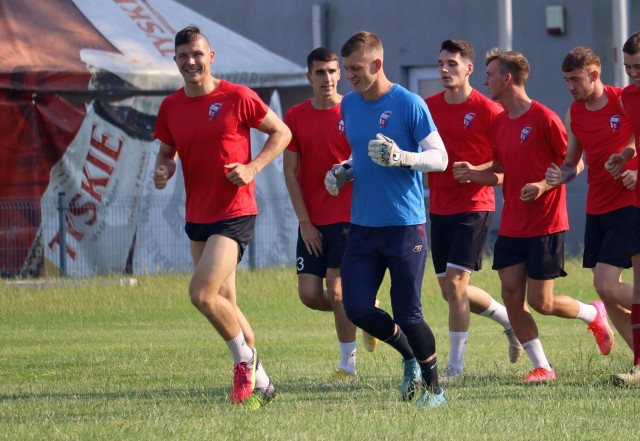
{"x":412,"y":31}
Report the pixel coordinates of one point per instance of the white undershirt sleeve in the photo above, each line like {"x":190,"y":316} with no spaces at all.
{"x":433,"y":157}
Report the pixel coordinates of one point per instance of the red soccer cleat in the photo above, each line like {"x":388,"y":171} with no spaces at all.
{"x":601,"y":330}
{"x":540,"y":374}
{"x":244,"y":380}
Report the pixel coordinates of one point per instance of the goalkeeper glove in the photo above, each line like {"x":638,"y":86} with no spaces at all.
{"x":384,"y":151}
{"x":337,"y":177}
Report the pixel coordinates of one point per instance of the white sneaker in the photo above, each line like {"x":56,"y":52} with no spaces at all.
{"x":450,"y":374}
{"x":515,"y":348}
{"x":630,"y":379}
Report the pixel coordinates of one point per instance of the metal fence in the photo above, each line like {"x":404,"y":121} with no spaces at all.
{"x":125,"y":235}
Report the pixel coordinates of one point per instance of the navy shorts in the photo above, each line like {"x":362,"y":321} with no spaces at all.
{"x":458,"y":240}
{"x":607,"y":238}
{"x":543,"y":256}
{"x":635,"y":232}
{"x":239,"y":229}
{"x":369,"y":253}
{"x":334,"y":240}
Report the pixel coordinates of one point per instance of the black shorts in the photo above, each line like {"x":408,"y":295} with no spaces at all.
{"x":458,"y":240}
{"x":334,"y":240}
{"x":635,"y":232}
{"x":607,"y":238}
{"x":543,"y":256}
{"x":239,"y":229}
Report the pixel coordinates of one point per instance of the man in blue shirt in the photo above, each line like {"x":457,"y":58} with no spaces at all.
{"x":393,"y":140}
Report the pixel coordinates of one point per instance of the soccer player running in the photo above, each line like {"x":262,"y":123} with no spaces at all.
{"x":393,"y":140}
{"x":631,"y":104}
{"x":598,"y":127}
{"x":461,"y":213}
{"x":318,"y":143}
{"x":207,"y":123}
{"x":529,"y":251}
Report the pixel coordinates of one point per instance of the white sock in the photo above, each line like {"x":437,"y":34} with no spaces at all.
{"x":240,"y":349}
{"x":458,"y":343}
{"x":262,"y":379}
{"x":348,"y":357}
{"x":536,"y":353}
{"x":587,"y":313}
{"x":497,"y":312}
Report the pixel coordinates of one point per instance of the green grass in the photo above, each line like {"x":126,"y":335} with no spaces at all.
{"x":97,"y":360}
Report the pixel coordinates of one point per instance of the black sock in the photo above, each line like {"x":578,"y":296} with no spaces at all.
{"x":400,"y":343}
{"x":430,"y":375}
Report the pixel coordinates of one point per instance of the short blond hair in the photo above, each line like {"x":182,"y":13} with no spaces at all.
{"x":512,"y":62}
{"x":364,"y":42}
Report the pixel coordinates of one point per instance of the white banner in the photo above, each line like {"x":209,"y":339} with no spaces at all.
{"x":161,"y":243}
{"x":118,"y":221}
{"x":102,"y":174}
{"x":274,"y":242}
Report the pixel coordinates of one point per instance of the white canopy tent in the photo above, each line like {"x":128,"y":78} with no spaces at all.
{"x":117,"y":56}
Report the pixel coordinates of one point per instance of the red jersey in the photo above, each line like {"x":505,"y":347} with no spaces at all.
{"x":465,"y":131}
{"x":601,"y":133}
{"x":320,"y":141}
{"x":525,"y":147}
{"x":631,"y":103}
{"x":208,"y":133}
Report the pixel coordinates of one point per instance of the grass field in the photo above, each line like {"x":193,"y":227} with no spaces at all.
{"x":97,"y":360}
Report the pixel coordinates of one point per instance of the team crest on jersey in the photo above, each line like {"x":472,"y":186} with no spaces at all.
{"x":614,"y":123}
{"x":468,"y":120}
{"x":213,"y":110}
{"x":417,"y":248}
{"x":384,"y":116}
{"x":341,"y":127}
{"x":524,"y":134}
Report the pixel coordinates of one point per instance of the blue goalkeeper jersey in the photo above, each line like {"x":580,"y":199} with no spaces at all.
{"x":386,"y":196}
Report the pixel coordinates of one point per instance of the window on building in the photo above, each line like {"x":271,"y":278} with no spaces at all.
{"x":425,"y":81}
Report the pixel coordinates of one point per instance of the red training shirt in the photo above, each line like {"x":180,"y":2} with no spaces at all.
{"x":631,"y":103}
{"x":208,"y":133}
{"x":320,"y":141}
{"x":465,"y":131}
{"x":602,"y":133}
{"x":525,"y":147}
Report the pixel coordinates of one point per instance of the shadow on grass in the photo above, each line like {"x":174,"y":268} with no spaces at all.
{"x":207,"y":394}
{"x":312,"y":389}
{"x":300,"y":386}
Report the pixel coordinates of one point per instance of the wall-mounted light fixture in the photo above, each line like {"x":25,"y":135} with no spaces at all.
{"x":555,"y":20}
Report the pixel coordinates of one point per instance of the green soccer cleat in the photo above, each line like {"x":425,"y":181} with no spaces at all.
{"x":429,"y":399}
{"x":260,"y":397}
{"x":411,"y":379}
